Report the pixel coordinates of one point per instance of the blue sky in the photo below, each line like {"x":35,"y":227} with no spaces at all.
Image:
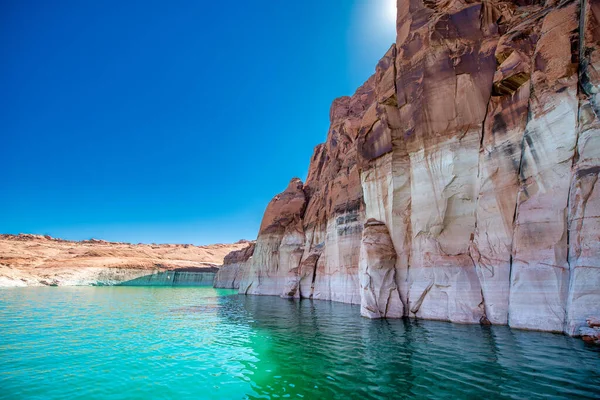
{"x":169,"y":122}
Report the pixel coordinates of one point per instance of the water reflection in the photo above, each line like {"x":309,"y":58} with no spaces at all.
{"x":189,"y":343}
{"x":323,"y":350}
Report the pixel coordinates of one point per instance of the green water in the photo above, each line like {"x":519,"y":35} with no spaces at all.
{"x":204,"y":343}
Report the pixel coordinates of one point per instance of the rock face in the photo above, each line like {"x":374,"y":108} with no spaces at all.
{"x":459,"y":182}
{"x":591,"y":333}
{"x":234,"y":266}
{"x":379,"y":295}
{"x":276,"y":256}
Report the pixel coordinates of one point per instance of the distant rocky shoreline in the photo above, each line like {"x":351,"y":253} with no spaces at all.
{"x":38,"y":260}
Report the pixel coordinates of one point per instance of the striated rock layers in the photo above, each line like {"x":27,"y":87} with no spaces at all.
{"x":459,"y":182}
{"x":234,"y":265}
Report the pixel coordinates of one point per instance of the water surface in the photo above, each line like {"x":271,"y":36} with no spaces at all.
{"x":137,"y":343}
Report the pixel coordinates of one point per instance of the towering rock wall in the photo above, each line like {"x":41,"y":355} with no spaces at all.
{"x":459,"y":182}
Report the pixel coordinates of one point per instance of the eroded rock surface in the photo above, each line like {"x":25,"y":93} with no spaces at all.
{"x":475,"y":147}
{"x":276,"y":256}
{"x":380,"y":297}
{"x":591,"y":333}
{"x":234,"y":266}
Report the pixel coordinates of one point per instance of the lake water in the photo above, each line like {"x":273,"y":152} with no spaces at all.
{"x":204,"y":343}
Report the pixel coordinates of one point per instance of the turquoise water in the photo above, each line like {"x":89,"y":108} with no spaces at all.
{"x":204,"y":343}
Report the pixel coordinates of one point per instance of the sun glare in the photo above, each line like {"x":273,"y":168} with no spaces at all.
{"x":374,"y":28}
{"x":390,"y":9}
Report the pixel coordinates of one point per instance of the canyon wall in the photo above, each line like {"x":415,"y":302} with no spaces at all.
{"x":234,"y":265}
{"x":459,"y":182}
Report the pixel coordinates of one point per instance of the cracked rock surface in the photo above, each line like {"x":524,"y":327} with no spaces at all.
{"x":234,"y":265}
{"x":459,"y":183}
{"x":379,"y":294}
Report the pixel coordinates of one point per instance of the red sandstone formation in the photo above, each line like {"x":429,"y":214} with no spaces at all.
{"x":474,"y":150}
{"x":234,"y":265}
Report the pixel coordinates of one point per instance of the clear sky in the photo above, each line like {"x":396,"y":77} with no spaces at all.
{"x":170,"y":122}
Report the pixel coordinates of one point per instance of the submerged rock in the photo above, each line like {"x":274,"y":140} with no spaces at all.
{"x":590,"y":335}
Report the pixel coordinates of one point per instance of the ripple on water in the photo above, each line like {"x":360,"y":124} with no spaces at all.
{"x":136,"y":342}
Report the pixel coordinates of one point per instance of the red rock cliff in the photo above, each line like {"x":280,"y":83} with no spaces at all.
{"x":473,"y":152}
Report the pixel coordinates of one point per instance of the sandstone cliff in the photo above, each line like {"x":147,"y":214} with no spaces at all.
{"x":34,"y":260}
{"x":234,"y":265}
{"x":472,"y":154}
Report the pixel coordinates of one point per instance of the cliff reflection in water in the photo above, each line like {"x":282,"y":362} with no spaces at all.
{"x":205,"y":343}
{"x":321,"y":349}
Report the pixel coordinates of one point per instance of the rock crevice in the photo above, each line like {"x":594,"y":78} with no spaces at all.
{"x":459,"y":182}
